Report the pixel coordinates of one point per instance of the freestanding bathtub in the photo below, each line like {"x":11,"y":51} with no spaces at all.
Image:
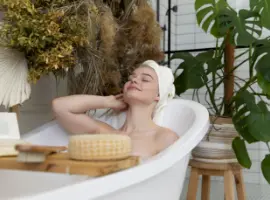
{"x":158,"y":178}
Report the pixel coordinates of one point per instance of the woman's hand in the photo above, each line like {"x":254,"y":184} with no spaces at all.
{"x":117,"y":102}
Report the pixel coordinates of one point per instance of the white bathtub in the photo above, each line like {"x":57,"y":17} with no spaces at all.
{"x":160,"y":178}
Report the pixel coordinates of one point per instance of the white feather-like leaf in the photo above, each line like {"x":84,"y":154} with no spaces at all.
{"x":14,"y":86}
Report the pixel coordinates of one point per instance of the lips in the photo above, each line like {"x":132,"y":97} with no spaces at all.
{"x":132,"y":87}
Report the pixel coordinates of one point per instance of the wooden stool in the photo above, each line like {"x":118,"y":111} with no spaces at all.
{"x":228,"y":171}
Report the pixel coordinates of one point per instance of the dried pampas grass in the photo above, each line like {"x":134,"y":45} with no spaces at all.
{"x":126,"y":34}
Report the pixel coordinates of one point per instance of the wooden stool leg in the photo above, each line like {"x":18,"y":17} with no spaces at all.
{"x":206,"y":181}
{"x":228,"y":185}
{"x":193,"y":184}
{"x":240,"y":187}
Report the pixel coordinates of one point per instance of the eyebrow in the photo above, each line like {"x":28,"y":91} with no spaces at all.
{"x":143,"y":74}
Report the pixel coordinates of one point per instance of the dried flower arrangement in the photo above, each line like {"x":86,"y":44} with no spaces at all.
{"x":94,"y":43}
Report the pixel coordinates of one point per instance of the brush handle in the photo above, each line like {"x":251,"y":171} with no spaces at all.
{"x":39,"y":148}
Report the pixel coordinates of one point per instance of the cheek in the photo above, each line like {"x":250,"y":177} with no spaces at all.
{"x":125,"y":86}
{"x":151,"y":89}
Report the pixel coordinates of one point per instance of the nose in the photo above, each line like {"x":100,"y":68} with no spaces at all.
{"x":134,"y":80}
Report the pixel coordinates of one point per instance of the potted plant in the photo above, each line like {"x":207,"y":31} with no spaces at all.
{"x":247,"y":109}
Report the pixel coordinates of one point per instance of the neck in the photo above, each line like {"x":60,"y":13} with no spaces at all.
{"x":139,"y":118}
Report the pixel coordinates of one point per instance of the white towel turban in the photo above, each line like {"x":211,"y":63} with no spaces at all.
{"x":166,"y":87}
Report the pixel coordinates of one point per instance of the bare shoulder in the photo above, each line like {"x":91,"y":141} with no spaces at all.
{"x":166,"y":137}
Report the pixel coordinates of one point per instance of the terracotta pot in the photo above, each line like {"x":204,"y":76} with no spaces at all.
{"x":216,"y":147}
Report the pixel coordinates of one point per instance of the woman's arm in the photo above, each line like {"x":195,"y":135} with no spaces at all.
{"x":70,"y":112}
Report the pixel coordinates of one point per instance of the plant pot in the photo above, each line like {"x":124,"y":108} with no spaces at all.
{"x":216,"y":147}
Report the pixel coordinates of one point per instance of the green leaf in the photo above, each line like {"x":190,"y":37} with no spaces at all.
{"x":264,"y":84}
{"x":205,"y":56}
{"x":251,"y":120}
{"x":190,"y":78}
{"x":210,"y":8}
{"x":246,"y":27}
{"x":214,"y":65}
{"x":193,"y":75}
{"x":262,"y":7}
{"x":265,"y":166}
{"x":258,"y":122}
{"x":241,"y":152}
{"x":219,"y":18}
{"x":261,"y":59}
{"x":186,"y":56}
{"x":241,"y":125}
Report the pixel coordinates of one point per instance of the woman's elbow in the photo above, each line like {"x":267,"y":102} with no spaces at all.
{"x":58,"y":106}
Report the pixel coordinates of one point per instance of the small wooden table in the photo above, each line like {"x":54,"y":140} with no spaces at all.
{"x":60,"y":163}
{"x":228,"y":171}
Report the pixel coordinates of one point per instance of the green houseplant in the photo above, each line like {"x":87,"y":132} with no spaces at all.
{"x":248,"y":109}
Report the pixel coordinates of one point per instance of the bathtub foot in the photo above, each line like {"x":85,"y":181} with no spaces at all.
{"x":193,"y":184}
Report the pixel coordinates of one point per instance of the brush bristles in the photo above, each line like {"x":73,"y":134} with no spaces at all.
{"x":31,"y":157}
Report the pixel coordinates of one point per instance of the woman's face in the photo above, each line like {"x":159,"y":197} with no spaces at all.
{"x":142,"y":86}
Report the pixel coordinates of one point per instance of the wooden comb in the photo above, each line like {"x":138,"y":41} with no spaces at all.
{"x":36,"y":153}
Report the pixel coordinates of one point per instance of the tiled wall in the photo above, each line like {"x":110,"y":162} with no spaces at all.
{"x":187,"y":35}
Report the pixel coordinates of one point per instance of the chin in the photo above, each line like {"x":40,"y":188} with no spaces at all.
{"x":131,"y":96}
{"x":135,"y":97}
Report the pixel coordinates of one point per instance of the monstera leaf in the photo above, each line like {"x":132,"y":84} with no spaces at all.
{"x":262,"y":7}
{"x":211,"y":9}
{"x":193,"y":75}
{"x":247,"y":27}
{"x":265,"y":166}
{"x":219,"y":17}
{"x":261,"y":60}
{"x":241,"y":153}
{"x":250,"y":119}
{"x":264,"y":84}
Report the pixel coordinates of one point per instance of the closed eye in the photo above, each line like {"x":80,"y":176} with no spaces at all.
{"x":146,"y":80}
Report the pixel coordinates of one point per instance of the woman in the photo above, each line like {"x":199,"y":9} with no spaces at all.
{"x":144,"y":96}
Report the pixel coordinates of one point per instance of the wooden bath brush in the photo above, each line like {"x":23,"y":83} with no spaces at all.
{"x":36,"y":153}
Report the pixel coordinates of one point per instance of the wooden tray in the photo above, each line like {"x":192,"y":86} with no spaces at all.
{"x":60,"y":163}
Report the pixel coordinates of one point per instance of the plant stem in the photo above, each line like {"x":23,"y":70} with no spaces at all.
{"x":197,"y":95}
{"x":212,"y":98}
{"x":249,"y":87}
{"x":237,"y":66}
{"x":247,"y":84}
{"x":241,"y":54}
{"x":260,"y":94}
{"x":250,"y":61}
{"x":193,"y":94}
